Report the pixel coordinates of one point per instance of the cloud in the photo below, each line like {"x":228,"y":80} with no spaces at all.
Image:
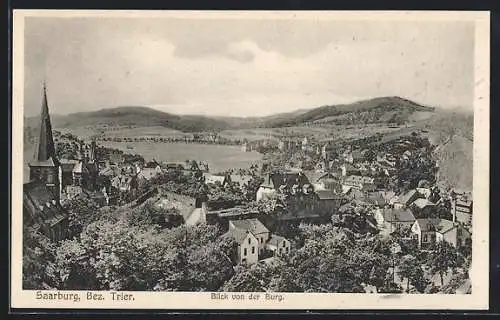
{"x":91,"y":66}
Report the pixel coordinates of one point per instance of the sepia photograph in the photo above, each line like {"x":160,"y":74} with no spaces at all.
{"x":250,"y":158}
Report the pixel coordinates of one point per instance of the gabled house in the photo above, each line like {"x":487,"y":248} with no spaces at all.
{"x":324,"y":180}
{"x":67,"y":167}
{"x":214,"y":179}
{"x":280,"y":181}
{"x":405,"y":200}
{"x":423,"y":208}
{"x":43,"y":212}
{"x":461,"y":207}
{"x":375,"y":199}
{"x":124,"y":183}
{"x":392,"y":220}
{"x":247,"y":246}
{"x":265,"y":192}
{"x":254,"y":240}
{"x":429,"y":231}
{"x":278,"y":245}
{"x":425,"y":192}
{"x":148,"y":173}
{"x":80,"y":174}
{"x":351,"y":193}
{"x":359,"y":182}
{"x":389,"y":196}
{"x":249,"y":243}
{"x":254,"y":226}
{"x":328,"y":202}
{"x":109,"y":171}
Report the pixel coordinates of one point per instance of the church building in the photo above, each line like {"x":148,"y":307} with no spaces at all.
{"x":41,"y":196}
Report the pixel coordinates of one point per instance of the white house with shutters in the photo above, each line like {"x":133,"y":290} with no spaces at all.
{"x":255,"y":241}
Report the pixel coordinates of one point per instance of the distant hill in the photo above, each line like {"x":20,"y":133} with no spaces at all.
{"x":377,"y":110}
{"x":451,"y":131}
{"x":260,"y":122}
{"x":138,"y":117}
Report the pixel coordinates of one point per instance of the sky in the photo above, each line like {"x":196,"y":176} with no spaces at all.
{"x":238,"y":67}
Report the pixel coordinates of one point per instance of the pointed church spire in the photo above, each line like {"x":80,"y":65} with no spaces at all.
{"x":45,"y":149}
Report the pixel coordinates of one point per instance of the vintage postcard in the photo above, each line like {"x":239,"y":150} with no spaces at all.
{"x":250,"y":160}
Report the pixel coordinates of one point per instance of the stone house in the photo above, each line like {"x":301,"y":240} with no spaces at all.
{"x":428,"y":231}
{"x":255,"y":240}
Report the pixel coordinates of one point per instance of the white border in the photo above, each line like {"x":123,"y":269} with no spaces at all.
{"x":185,"y":300}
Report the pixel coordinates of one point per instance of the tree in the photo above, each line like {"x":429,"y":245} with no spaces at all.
{"x":150,"y":214}
{"x":411,"y":269}
{"x":285,"y":280}
{"x":223,"y":197}
{"x":249,"y":278}
{"x":118,"y":256}
{"x":208,"y":266}
{"x":443,"y":258}
{"x":75,"y":270}
{"x":331,"y":261}
{"x":370,"y":155}
{"x":82,"y":211}
{"x":39,"y":271}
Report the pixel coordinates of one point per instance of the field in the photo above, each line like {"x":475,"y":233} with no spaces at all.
{"x":318,"y":131}
{"x":218,"y":157}
{"x":157,"y":131}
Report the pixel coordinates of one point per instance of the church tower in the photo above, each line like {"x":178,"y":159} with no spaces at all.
{"x":45,"y":166}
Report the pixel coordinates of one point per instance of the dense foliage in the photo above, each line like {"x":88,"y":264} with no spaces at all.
{"x":130,"y":254}
{"x":146,"y":247}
